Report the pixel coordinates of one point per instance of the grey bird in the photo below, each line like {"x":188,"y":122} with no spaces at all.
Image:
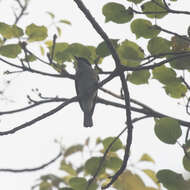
{"x":85,"y":79}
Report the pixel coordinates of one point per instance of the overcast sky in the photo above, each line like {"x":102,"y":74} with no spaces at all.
{"x":35,"y":145}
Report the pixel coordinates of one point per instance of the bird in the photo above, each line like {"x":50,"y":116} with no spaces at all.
{"x":86,"y":79}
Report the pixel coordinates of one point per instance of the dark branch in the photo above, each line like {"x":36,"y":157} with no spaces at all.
{"x":147,"y":111}
{"x":43,"y":116}
{"x":31,"y":169}
{"x":36,"y":71}
{"x":36,"y":103}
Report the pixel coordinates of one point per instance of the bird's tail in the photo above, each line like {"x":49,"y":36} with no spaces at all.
{"x":88,"y":120}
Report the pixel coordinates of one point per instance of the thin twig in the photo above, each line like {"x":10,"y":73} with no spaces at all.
{"x":31,"y":169}
{"x":43,"y":116}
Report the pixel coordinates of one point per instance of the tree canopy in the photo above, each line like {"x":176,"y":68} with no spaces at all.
{"x":164,"y":57}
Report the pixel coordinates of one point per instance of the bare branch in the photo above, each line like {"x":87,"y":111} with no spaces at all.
{"x":70,"y":76}
{"x":43,"y":116}
{"x":22,"y":12}
{"x":31,"y":169}
{"x":149,"y":112}
{"x":36,"y":103}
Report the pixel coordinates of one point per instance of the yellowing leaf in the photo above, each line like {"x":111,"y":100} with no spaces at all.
{"x":45,"y":186}
{"x":152,"y":175}
{"x":146,"y":157}
{"x":129,"y":181}
{"x":64,"y":21}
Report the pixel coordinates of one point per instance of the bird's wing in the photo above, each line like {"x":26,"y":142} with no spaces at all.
{"x":77,"y":88}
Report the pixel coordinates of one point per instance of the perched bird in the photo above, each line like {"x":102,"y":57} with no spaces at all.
{"x":85,"y":79}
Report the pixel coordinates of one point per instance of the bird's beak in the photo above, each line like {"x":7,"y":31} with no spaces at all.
{"x":77,"y":59}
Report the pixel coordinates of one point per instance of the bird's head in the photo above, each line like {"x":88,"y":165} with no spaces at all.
{"x":82,"y":62}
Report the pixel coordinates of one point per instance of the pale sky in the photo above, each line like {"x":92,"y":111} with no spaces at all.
{"x":35,"y":145}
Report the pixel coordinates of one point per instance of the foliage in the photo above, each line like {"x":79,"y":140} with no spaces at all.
{"x":77,"y":177}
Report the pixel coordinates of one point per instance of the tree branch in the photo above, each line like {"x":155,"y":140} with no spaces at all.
{"x":37,"y":103}
{"x":100,"y":31}
{"x":149,"y":112}
{"x":31,"y":169}
{"x":43,"y":116}
{"x":36,"y":71}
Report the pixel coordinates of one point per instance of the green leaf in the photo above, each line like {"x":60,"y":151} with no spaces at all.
{"x":51,"y":14}
{"x":117,"y":13}
{"x":64,"y":21}
{"x":176,"y":90}
{"x":130,"y":53}
{"x":67,"y":167}
{"x":144,"y":28}
{"x":73,"y":149}
{"x":180,"y":63}
{"x":116,"y":146}
{"x":36,"y":33}
{"x":8,"y":31}
{"x":102,"y":49}
{"x":165,"y":75}
{"x":158,"y":45}
{"x":167,"y":130}
{"x":172,"y":180}
{"x":66,"y":188}
{"x":186,"y":161}
{"x":113,"y":163}
{"x":78,"y":183}
{"x":150,"y":6}
{"x":5,"y":30}
{"x":92,"y":165}
{"x":45,"y":186}
{"x":139,"y":77}
{"x":58,"y":30}
{"x":146,"y":157}
{"x":77,"y":49}
{"x":30,"y":58}
{"x":59,"y":55}
{"x":17,"y":31}
{"x":136,"y":1}
{"x":10,"y":51}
